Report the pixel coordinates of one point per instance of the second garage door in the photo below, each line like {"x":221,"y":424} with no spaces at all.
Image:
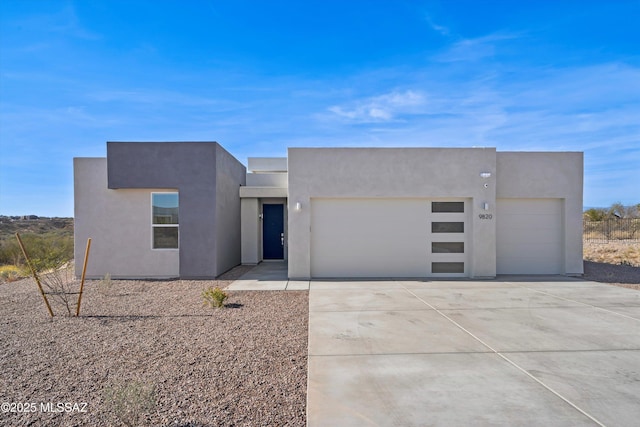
{"x":529,"y":236}
{"x":387,"y":238}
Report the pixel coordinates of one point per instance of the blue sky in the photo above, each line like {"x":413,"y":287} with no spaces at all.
{"x":261,"y":76}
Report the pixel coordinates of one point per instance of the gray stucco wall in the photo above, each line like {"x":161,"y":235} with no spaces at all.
{"x":230,"y":176}
{"x":191,"y":167}
{"x":119,"y":225}
{"x":391,"y":173}
{"x":250,"y":230}
{"x":548,"y":175}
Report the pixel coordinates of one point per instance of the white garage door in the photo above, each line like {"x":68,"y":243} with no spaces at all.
{"x":387,"y":238}
{"x":529,"y":236}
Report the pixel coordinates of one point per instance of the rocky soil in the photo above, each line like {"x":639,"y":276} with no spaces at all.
{"x":613,"y":252}
{"x":149,"y":353}
{"x":614,"y":262}
{"x":625,"y":276}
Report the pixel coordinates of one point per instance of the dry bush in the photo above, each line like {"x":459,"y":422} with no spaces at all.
{"x":612,"y":229}
{"x":51,"y":262}
{"x":130,"y":402}
{"x":61,"y":288}
{"x":10,"y":273}
{"x":618,"y":253}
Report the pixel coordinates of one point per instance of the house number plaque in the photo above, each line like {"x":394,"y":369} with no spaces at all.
{"x":485,"y":216}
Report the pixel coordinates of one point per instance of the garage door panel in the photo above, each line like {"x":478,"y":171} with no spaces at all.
{"x":530,"y":207}
{"x":529,"y":236}
{"x":353,"y":267}
{"x":527,"y":222}
{"x":532,"y":249}
{"x":552,"y":239}
{"x":535,"y":265}
{"x":385,"y":238}
{"x":368,"y":238}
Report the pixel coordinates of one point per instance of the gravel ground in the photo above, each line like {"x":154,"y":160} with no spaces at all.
{"x":153,"y":342}
{"x":613,"y":262}
{"x":149,"y":353}
{"x":625,"y":276}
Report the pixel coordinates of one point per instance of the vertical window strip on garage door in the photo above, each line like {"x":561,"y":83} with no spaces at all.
{"x":443,"y":229}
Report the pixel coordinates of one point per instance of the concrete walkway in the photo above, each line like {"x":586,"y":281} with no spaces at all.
{"x":268,"y":276}
{"x":538,"y":352}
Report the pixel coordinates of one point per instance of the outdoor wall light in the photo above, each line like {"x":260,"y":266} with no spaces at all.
{"x":298,"y":206}
{"x":261,"y":215}
{"x":485,"y":174}
{"x":485,"y":206}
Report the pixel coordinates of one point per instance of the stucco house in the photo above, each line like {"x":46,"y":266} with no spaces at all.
{"x":158,"y":210}
{"x":330,"y":212}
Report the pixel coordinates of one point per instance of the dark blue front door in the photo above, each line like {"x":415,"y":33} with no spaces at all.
{"x":273,"y":232}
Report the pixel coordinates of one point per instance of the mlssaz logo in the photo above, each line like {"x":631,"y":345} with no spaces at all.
{"x":63,"y":407}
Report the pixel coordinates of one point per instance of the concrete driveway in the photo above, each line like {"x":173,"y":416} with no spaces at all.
{"x":531,"y":352}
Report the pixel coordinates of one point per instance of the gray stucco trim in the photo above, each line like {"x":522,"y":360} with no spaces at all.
{"x":191,"y":168}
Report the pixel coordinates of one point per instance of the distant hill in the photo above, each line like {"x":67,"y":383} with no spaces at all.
{"x":33,"y":224}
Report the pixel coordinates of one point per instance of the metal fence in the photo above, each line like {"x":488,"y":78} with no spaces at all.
{"x":612,"y":229}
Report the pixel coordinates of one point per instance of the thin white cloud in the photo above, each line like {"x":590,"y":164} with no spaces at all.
{"x":380,"y":108}
{"x":475,"y":49}
{"x":441,"y":29}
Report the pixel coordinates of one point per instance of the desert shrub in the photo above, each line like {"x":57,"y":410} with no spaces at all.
{"x":622,"y":234}
{"x":612,"y":253}
{"x":10,"y":273}
{"x":595,"y":214}
{"x":51,"y":260}
{"x":612,"y":229}
{"x":130,"y":402}
{"x":214,"y":297}
{"x":10,"y":253}
{"x":60,"y":286}
{"x":46,"y":250}
{"x":105,"y":285}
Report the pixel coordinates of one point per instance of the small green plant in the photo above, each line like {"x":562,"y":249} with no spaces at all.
{"x":130,"y":402}
{"x":214,"y":297}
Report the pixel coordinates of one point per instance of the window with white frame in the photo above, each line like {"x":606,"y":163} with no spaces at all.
{"x":164,"y":220}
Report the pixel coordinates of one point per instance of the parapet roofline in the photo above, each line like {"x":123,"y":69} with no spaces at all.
{"x":267,"y":164}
